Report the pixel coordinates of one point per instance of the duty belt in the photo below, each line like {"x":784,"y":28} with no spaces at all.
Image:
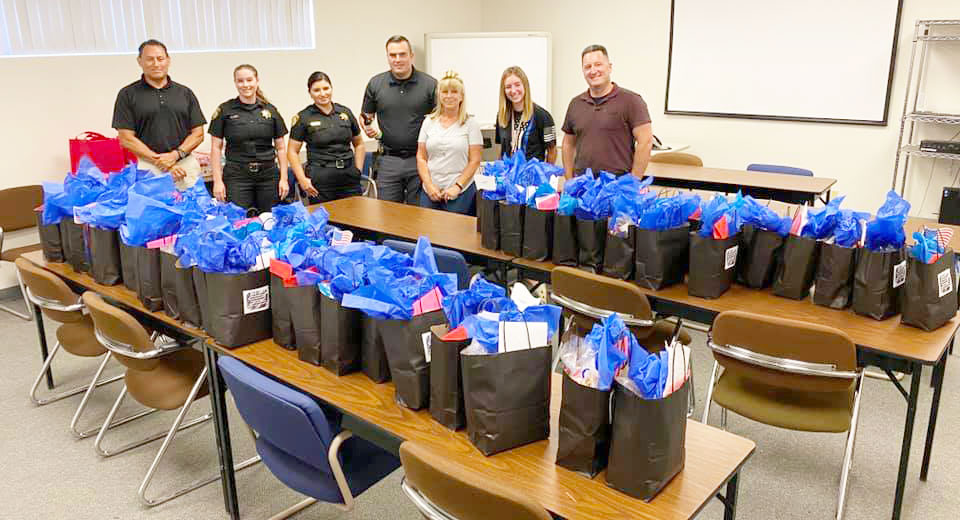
{"x":254,"y":166}
{"x":338,"y":163}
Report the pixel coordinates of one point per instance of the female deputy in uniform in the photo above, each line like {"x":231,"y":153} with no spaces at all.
{"x":253,"y":130}
{"x":448,"y":151}
{"x":521,"y":123}
{"x":329,"y":129}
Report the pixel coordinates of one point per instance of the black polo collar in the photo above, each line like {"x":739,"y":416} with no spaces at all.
{"x":411,"y":79}
{"x":143,"y":82}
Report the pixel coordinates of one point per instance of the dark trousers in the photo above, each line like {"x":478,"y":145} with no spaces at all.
{"x":259,"y":190}
{"x":334,"y":183}
{"x":398,"y":180}
{"x":465,"y":204}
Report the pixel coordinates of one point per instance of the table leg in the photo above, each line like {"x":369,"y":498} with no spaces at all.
{"x":916,"y":374}
{"x":730,"y":505}
{"x":938,"y":372}
{"x":222,"y":429}
{"x":42,"y":336}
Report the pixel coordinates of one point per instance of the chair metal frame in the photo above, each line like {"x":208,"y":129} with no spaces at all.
{"x":26,"y":314}
{"x":338,"y":475}
{"x":598,"y":313}
{"x":793,"y":366}
{"x":163,"y":348}
{"x":57,"y":306}
{"x":423,"y":504}
{"x":371,"y":187}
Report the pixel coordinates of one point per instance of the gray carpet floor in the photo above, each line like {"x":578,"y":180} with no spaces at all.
{"x":47,"y":474}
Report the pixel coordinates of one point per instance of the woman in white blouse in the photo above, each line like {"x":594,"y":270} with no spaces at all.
{"x":448,"y":151}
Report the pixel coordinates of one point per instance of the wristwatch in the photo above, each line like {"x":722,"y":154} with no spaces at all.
{"x":181,"y":154}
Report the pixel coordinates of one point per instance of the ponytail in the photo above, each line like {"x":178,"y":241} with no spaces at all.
{"x":261,"y":97}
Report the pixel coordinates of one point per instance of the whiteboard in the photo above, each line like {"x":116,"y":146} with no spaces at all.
{"x":480,"y":59}
{"x":816,"y":60}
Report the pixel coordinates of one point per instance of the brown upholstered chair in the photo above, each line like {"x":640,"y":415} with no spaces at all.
{"x":442,"y":490}
{"x":165,"y":376}
{"x":677,"y":158}
{"x":588,"y":298}
{"x":18,"y":205}
{"x":786,"y":373}
{"x":75,"y":333}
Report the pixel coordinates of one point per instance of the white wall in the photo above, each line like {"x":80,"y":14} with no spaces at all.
{"x":637,"y":35}
{"x":50,"y":99}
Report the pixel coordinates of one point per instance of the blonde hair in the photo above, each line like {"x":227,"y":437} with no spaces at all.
{"x":451,"y":81}
{"x":506,"y":106}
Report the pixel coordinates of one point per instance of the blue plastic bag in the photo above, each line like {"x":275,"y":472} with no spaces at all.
{"x":926,"y":249}
{"x":762,"y":217}
{"x":596,"y":203}
{"x":604,"y":337}
{"x":222,"y":251}
{"x":88,"y":183}
{"x":717,"y":208}
{"x":822,"y":221}
{"x":885,"y":232}
{"x":849,"y":228}
{"x":54,"y":203}
{"x":461,"y":304}
{"x":663,"y":213}
{"x":148,"y":219}
{"x":648,"y":372}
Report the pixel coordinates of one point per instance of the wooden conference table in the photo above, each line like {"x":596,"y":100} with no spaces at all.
{"x":886,"y":344}
{"x":794,"y":189}
{"x":713,"y":457}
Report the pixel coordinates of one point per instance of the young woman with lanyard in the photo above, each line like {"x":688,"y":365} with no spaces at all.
{"x":335,"y":151}
{"x":448,"y":151}
{"x":253,"y":131}
{"x":521,"y":123}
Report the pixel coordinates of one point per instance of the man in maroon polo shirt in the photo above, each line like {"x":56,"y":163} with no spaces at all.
{"x":607,"y":127}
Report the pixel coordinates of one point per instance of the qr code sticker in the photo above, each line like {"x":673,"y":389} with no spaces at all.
{"x":256,"y":300}
{"x":426,"y":337}
{"x":944,"y":282}
{"x":899,"y":274}
{"x":730,"y":257}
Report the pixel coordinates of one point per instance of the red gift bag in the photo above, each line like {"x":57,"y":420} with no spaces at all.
{"x":105,"y":152}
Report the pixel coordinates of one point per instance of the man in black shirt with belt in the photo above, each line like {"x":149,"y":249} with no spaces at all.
{"x":160,"y":120}
{"x":399,"y":98}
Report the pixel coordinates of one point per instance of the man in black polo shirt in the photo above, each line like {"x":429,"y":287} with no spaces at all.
{"x":607,"y":127}
{"x":399,"y":98}
{"x":160,"y":120}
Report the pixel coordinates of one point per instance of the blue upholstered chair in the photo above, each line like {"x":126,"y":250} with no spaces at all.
{"x":775,"y":168}
{"x":448,"y":261}
{"x":301,"y":441}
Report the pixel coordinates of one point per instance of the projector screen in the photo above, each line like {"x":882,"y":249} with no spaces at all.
{"x":817,"y":60}
{"x":480,"y":59}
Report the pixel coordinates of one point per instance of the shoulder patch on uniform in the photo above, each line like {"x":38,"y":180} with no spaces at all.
{"x":343,"y":115}
{"x":295,"y":120}
{"x":216,"y":113}
{"x":266,"y":114}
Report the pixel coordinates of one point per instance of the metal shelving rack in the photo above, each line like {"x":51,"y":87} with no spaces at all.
{"x":924,"y":32}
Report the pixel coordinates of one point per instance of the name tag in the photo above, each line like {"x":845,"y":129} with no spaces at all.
{"x":316,"y":123}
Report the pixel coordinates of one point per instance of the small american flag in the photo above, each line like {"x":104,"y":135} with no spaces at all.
{"x":341,"y":238}
{"x":944,"y":235}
